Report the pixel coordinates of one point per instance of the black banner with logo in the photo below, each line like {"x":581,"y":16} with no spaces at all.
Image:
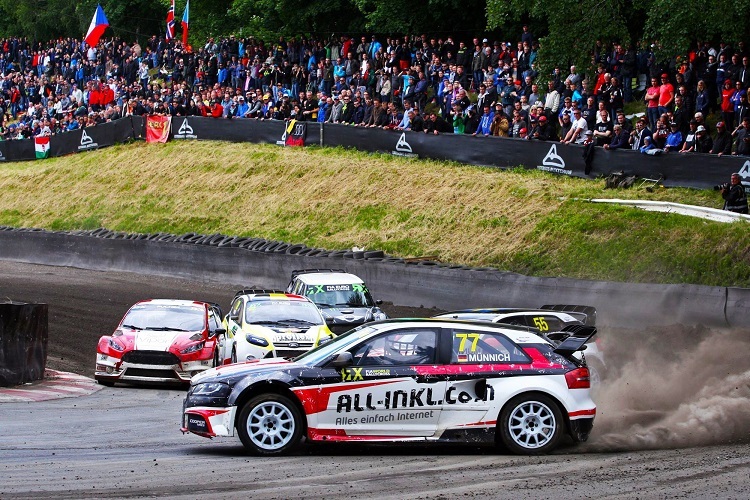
{"x":240,"y":130}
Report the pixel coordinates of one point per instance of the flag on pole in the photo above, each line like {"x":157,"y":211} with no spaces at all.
{"x":185,"y":21}
{"x":170,"y":21}
{"x":41,"y":146}
{"x":98,"y":24}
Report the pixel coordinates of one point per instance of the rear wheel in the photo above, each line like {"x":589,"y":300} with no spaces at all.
{"x":270,"y":424}
{"x":530,"y":424}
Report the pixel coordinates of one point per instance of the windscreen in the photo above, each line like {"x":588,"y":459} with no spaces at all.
{"x":339,"y":295}
{"x":165,"y":317}
{"x":282,"y":311}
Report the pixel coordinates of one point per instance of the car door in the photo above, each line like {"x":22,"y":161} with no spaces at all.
{"x":481,"y":364}
{"x":232,"y":324}
{"x":394,"y":388}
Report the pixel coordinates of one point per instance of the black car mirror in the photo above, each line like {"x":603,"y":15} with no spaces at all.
{"x":218,"y":331}
{"x":330,"y":321}
{"x":342,"y":359}
{"x":379,"y":302}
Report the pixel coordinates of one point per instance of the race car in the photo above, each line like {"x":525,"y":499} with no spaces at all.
{"x":160,"y":340}
{"x":342,"y":297}
{"x":404,"y":380}
{"x":269,"y":323}
{"x":546,"y":320}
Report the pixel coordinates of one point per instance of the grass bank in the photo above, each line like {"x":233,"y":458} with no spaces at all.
{"x":524,"y":221}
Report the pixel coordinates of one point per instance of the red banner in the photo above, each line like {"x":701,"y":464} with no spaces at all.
{"x":157,"y":128}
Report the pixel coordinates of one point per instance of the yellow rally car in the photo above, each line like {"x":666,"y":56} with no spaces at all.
{"x":267,"y":324}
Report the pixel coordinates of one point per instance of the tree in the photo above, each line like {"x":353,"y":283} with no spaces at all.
{"x":570,"y":28}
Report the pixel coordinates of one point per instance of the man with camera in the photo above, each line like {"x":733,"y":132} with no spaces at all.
{"x":735,"y":199}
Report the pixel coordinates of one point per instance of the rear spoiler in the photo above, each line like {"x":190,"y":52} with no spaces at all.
{"x":585,"y":314}
{"x":577,"y":336}
{"x":297,"y":272}
{"x":255,"y":291}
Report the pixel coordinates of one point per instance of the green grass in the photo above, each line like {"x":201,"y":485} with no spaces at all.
{"x":518,"y":220}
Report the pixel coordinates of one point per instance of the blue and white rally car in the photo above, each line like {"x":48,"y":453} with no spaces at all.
{"x":415,"y":380}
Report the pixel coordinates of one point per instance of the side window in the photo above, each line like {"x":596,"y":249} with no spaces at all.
{"x":234,"y":312}
{"x":213,"y":319}
{"x":515,"y":320}
{"x":484,"y":347}
{"x":411,"y":346}
{"x":546,"y":323}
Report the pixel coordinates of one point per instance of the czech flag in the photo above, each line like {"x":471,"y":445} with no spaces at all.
{"x":185,"y":21}
{"x":170,"y":21}
{"x":98,"y":24}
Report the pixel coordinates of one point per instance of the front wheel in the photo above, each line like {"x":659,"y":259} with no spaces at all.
{"x":270,"y":424}
{"x":530,"y":424}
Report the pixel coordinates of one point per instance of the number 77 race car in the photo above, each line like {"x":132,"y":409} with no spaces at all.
{"x":413,"y":380}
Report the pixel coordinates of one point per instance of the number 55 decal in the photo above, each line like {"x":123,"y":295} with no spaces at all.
{"x":463,"y":337}
{"x":541,"y":324}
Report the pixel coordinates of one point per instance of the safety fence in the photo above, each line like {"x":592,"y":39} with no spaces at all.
{"x":673,"y":169}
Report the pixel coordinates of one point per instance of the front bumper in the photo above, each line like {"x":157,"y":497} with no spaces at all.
{"x":208,"y":421}
{"x":115,"y":370}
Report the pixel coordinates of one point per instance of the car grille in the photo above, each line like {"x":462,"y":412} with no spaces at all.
{"x":144,"y":372}
{"x":150,"y":358}
{"x":296,"y":346}
{"x":288,"y":353}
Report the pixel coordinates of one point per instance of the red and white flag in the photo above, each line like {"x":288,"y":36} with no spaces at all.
{"x":157,"y":128}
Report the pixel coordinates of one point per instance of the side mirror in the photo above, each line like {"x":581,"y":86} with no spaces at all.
{"x":379,"y":302}
{"x":218,"y":331}
{"x":330,"y":321}
{"x":342,"y":359}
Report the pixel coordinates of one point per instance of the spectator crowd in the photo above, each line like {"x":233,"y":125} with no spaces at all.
{"x":433,"y":85}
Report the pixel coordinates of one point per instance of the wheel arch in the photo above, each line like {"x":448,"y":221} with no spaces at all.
{"x":270,"y":387}
{"x":555,"y":399}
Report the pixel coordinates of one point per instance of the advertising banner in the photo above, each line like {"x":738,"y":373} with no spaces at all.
{"x":158,"y":128}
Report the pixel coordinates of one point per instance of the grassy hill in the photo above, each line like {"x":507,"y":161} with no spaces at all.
{"x":523,"y":221}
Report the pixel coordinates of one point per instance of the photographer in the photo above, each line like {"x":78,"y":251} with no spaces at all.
{"x":735,"y":199}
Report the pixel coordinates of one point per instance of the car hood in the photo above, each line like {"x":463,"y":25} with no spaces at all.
{"x":346,"y":314}
{"x":230,"y":374}
{"x":151,"y":340}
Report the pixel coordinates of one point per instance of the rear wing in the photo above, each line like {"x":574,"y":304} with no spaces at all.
{"x":255,"y":291}
{"x":576,"y":339}
{"x":585,"y":314}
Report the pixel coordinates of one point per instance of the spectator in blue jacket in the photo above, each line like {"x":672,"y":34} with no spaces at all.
{"x":485,"y":122}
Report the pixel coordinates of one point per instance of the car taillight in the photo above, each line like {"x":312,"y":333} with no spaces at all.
{"x":578,"y":378}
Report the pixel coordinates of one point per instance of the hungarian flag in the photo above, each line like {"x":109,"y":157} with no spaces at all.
{"x":98,"y":24}
{"x":185,"y":22}
{"x":157,"y":128}
{"x":41,"y":146}
{"x":170,"y":21}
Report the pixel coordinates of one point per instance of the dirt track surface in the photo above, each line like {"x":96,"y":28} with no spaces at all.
{"x":672,"y":421}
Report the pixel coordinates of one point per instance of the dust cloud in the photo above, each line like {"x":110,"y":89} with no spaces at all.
{"x":673,"y":387}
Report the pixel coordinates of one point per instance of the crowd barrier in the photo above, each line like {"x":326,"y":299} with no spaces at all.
{"x":23,"y":342}
{"x":254,"y":262}
{"x":675,"y":170}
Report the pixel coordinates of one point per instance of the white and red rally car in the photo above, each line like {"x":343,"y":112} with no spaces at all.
{"x":160,"y":340}
{"x":404,"y":380}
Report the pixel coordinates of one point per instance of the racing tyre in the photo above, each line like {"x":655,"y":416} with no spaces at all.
{"x":530,"y":424}
{"x":270,"y":424}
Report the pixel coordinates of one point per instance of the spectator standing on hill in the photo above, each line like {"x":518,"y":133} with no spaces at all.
{"x":735,"y":199}
{"x":638,"y":135}
{"x":703,"y":141}
{"x":741,"y":136}
{"x":723,"y":142}
{"x":727,"y":106}
{"x":652,"y":102}
{"x":666,"y":94}
{"x":485,"y":122}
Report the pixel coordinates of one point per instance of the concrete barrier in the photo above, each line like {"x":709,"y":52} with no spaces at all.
{"x":403,"y":283}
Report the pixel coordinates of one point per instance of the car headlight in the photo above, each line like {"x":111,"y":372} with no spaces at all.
{"x":377,"y":315}
{"x":257,"y":340}
{"x":114,"y":345}
{"x":215,"y":389}
{"x":193,"y":348}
